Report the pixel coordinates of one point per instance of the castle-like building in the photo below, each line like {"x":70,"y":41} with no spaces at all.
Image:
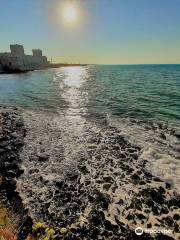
{"x":18,"y":61}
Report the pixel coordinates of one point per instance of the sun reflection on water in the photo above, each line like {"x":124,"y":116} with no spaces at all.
{"x":74,"y":76}
{"x":71,"y":80}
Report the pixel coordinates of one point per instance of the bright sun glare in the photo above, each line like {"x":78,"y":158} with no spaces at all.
{"x":70,"y":13}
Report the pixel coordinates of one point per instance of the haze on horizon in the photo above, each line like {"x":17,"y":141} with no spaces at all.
{"x":99,"y":32}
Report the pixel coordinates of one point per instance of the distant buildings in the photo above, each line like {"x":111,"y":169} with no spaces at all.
{"x":18,"y":61}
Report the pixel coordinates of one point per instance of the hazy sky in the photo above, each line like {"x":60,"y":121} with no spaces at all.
{"x":108,"y":31}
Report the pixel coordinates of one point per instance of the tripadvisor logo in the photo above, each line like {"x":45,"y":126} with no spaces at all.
{"x":139,"y":231}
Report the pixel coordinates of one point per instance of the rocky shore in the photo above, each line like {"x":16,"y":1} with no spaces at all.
{"x":12,"y":134}
{"x":103,"y":190}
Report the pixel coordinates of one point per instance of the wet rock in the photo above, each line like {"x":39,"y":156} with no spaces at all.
{"x":163,"y":135}
{"x":110,"y":227}
{"x":164,"y":210}
{"x":140,"y":216}
{"x":108,"y":179}
{"x":103,"y":200}
{"x":156,"y":179}
{"x":73,"y":176}
{"x":83,"y":169}
{"x":106,"y":186}
{"x":168,"y":185}
{"x":177,"y":134}
{"x":96,"y":218}
{"x":176,"y":217}
{"x":120,"y":201}
{"x":11,"y":144}
{"x":43,"y":157}
{"x":135,"y":178}
{"x":149,"y":225}
{"x":130,"y":217}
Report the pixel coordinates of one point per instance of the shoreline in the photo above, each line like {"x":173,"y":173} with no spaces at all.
{"x":53,"y":65}
{"x":12,"y":134}
{"x":108,"y":201}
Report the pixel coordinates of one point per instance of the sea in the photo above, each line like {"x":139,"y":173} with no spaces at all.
{"x":135,"y":91}
{"x":64,"y":109}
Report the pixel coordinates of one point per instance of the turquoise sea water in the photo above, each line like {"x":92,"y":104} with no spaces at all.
{"x":138,"y":91}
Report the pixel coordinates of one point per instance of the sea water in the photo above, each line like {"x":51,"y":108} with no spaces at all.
{"x":75,"y":115}
{"x":136,"y":91}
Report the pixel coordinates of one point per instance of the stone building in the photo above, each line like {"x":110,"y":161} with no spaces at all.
{"x":17,"y":60}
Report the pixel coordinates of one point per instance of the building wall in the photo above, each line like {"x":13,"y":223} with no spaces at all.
{"x":17,"y":50}
{"x":16,"y":59}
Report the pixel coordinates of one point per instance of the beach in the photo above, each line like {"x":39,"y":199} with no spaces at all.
{"x":70,"y":163}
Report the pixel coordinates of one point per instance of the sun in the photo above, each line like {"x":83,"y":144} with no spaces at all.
{"x":70,"y":13}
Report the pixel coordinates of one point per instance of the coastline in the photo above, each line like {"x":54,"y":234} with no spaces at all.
{"x":104,"y":194}
{"x":53,"y":65}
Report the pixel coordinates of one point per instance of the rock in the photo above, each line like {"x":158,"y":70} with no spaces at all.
{"x":108,"y":179}
{"x":140,"y":216}
{"x":2,"y":150}
{"x":163,"y":135}
{"x":43,"y":157}
{"x":110,"y":227}
{"x":164,"y":210}
{"x":177,"y":134}
{"x":120,"y":202}
{"x":59,"y":184}
{"x":11,"y":173}
{"x":73,"y":175}
{"x":149,"y":225}
{"x":83,"y":169}
{"x":156,"y":179}
{"x":176,"y":217}
{"x":103,"y":200}
{"x":168,"y":185}
{"x":135,"y":178}
{"x":106,"y":186}
{"x":95,"y":218}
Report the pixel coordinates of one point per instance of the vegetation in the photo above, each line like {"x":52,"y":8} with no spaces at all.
{"x":8,"y":224}
{"x":43,"y":232}
{"x":40,"y":231}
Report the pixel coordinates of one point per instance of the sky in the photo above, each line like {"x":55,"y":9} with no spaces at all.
{"x":107,"y":31}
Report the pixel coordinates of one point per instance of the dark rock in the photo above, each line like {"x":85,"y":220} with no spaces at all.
{"x":164,"y":210}
{"x":43,"y":157}
{"x":163,"y":135}
{"x":161,"y":236}
{"x":110,"y":227}
{"x":162,"y":190}
{"x":91,"y":198}
{"x":130,"y":217}
{"x":96,"y":218}
{"x":120,"y":202}
{"x":176,"y":227}
{"x":108,"y":179}
{"x":176,"y":217}
{"x":106,"y":186}
{"x":149,"y":225}
{"x":103,"y":200}
{"x":83,"y":169}
{"x":156,"y":179}
{"x":168,"y":185}
{"x":140,"y":216}
{"x":177,"y":134}
{"x":135,"y":178}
